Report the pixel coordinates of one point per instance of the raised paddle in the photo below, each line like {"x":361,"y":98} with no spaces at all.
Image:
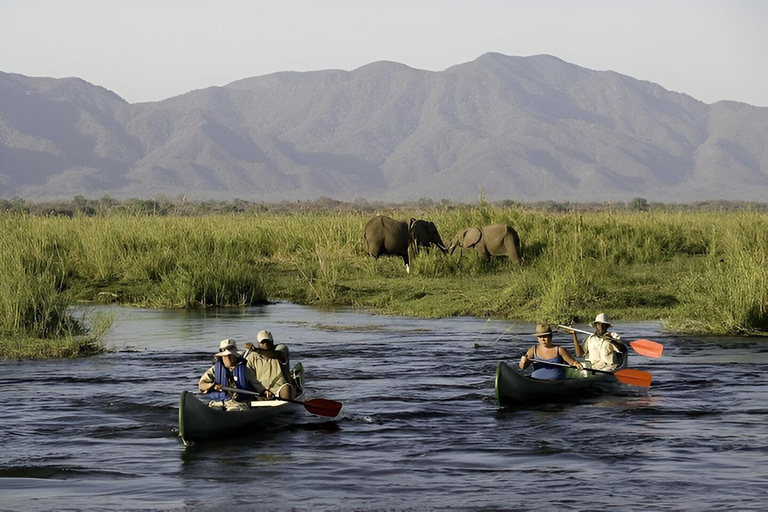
{"x":317,"y":406}
{"x":645,"y":348}
{"x":627,"y":375}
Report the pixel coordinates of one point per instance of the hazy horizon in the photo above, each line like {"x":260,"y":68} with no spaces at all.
{"x":150,"y":51}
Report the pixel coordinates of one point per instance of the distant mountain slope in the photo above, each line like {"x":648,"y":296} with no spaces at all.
{"x":524,"y":128}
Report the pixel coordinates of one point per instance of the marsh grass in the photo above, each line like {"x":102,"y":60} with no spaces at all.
{"x":32,"y":300}
{"x":729,"y":291}
{"x":699,"y":271}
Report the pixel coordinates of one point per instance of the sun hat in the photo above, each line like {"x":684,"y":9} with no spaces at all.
{"x":602,"y":318}
{"x":542,"y":330}
{"x":264,"y":335}
{"x":227,"y":348}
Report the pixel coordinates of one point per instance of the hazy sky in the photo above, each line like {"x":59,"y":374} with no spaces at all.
{"x":149,"y":50}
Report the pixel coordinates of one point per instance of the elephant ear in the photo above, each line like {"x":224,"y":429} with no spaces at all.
{"x":472,"y":236}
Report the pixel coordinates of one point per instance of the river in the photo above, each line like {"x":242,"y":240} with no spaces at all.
{"x":419,"y":430}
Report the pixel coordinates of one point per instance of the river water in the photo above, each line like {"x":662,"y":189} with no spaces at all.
{"x":420,"y":429}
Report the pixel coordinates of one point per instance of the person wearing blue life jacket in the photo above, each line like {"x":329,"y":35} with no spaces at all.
{"x":545,"y":352}
{"x":230,"y":370}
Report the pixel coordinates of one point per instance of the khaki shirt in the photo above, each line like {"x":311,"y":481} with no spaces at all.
{"x":268,"y":371}
{"x":601,"y":354}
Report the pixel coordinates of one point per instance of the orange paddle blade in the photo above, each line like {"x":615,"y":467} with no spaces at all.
{"x":322,"y":407}
{"x":647,"y":348}
{"x":634,"y":377}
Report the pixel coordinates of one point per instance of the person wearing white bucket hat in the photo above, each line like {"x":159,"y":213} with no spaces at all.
{"x":230,"y":370}
{"x":603,"y":350}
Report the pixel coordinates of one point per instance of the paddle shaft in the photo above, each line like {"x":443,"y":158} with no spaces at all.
{"x":541,"y":361}
{"x":318,"y":406}
{"x":577,"y":330}
{"x":627,"y":376}
{"x":645,"y":348}
{"x":246,"y":392}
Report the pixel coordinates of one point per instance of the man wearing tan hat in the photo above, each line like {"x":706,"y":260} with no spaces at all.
{"x":603,"y":350}
{"x":270,"y":365}
{"x":230,"y":370}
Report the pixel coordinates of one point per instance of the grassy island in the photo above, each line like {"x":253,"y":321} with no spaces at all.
{"x":697,"y":270}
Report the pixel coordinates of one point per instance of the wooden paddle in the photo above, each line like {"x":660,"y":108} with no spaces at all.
{"x":627,"y":375}
{"x":317,"y":406}
{"x":645,"y":348}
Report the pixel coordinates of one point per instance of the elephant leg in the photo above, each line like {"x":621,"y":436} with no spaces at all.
{"x":511,"y":250}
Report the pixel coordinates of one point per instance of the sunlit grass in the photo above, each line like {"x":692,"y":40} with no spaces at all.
{"x":698,"y":271}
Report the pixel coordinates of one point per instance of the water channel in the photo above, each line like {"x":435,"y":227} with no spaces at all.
{"x":420,"y":429}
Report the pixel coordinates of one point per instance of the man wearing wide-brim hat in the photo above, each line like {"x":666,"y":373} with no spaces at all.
{"x":603,"y":350}
{"x":230,"y":370}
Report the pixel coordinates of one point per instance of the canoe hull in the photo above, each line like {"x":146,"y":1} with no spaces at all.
{"x":515,"y":389}
{"x":198,"y":422}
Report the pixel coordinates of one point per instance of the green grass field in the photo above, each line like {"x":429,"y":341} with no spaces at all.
{"x":698,"y":272}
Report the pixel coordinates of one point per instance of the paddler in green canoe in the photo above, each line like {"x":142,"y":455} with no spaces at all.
{"x":270,"y":363}
{"x":230,"y":371}
{"x":546,"y":352}
{"x":603,"y":350}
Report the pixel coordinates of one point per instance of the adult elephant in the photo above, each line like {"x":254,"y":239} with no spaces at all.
{"x":384,"y":235}
{"x":496,"y":240}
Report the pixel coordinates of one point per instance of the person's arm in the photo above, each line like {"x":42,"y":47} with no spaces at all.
{"x":207,"y":381}
{"x":526,"y":359}
{"x":569,"y":358}
{"x":577,"y":348}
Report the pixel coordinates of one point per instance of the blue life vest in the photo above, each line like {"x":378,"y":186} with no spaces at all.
{"x":221,"y":374}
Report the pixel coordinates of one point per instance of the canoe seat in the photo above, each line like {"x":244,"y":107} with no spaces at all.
{"x":282,"y":347}
{"x":297,"y":377}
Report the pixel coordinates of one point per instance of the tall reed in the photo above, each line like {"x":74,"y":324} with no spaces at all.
{"x":646,"y":264}
{"x":728,"y":293}
{"x":33,"y":302}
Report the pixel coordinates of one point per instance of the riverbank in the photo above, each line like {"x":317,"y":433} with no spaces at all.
{"x":698,"y":272}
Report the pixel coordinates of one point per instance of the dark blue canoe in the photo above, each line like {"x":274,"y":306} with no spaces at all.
{"x":514,"y":388}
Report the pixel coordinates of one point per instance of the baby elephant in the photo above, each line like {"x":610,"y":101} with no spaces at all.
{"x":496,"y":240}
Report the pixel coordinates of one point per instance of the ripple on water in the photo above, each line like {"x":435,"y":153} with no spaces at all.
{"x":419,"y":429}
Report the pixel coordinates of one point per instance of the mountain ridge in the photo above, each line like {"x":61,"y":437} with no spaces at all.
{"x":522,"y":128}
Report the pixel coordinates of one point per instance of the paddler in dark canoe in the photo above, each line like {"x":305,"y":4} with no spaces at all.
{"x":230,"y":371}
{"x":547,"y":352}
{"x":602,"y":350}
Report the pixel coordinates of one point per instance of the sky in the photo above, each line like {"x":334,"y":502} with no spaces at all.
{"x":150,"y":50}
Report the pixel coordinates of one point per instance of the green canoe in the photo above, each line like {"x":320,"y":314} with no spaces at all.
{"x":513,"y":388}
{"x":198,"y":422}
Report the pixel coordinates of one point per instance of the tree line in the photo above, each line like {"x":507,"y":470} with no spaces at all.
{"x":181,"y":206}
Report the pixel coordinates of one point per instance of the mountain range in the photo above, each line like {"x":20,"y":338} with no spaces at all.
{"x":521,"y":128}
